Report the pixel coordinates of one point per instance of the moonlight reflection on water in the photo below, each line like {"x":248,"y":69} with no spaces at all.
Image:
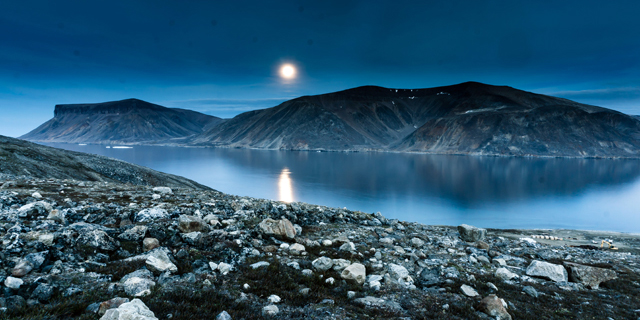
{"x":285,"y":191}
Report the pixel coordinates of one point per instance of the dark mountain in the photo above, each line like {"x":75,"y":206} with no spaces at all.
{"x":23,"y":158}
{"x":468,"y":118}
{"x":130,"y":121}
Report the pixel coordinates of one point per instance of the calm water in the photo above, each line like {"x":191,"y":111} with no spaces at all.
{"x":433,"y":189}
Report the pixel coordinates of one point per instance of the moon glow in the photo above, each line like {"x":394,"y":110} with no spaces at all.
{"x":288,"y":71}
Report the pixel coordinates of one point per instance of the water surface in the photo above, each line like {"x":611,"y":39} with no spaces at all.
{"x":492,"y":192}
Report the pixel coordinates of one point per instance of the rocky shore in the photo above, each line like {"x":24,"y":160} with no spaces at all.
{"x":105,"y":250}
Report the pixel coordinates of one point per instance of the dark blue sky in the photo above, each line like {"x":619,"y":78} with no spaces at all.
{"x":221,"y":57}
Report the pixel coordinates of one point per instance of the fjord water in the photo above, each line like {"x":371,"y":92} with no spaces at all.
{"x":492,"y":192}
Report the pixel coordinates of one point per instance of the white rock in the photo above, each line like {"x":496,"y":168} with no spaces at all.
{"x":151,"y":214}
{"x":270,"y":310}
{"x":259,"y":264}
{"x":340,"y":264}
{"x":223,"y":316}
{"x":375,"y":285}
{"x":330,"y":280}
{"x":417,"y":242}
{"x":138,"y":287}
{"x":224,"y":268}
{"x":165,"y":190}
{"x":547,"y":270}
{"x":36,"y":195}
{"x":158,"y":261}
{"x":348,"y":246}
{"x":246,"y":286}
{"x":307,"y":272}
{"x":327,"y":243}
{"x":13,"y":283}
{"x":134,"y":310}
{"x":214,"y":266}
{"x":386,"y":240}
{"x":505,"y":274}
{"x":273,"y":299}
{"x":398,"y":271}
{"x":469,"y":291}
{"x":322,"y":264}
{"x":296,"y":248}
{"x":355,"y":272}
{"x":284,"y":246}
{"x":47,"y":239}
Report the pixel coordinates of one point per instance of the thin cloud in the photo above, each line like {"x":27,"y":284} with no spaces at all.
{"x":603,"y":94}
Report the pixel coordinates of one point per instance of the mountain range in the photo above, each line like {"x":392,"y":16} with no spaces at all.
{"x":467,"y":118}
{"x":129,"y":121}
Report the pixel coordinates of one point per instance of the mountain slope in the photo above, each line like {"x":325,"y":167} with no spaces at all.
{"x":468,"y":118}
{"x":23,"y":158}
{"x":130,"y":121}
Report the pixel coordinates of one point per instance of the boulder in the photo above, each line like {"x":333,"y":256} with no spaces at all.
{"x":136,"y":233}
{"x":34,"y":209}
{"x":340,"y":264}
{"x":96,"y":239}
{"x":270,"y":311}
{"x":397,"y":271}
{"x":149,"y":244}
{"x":322,"y":264}
{"x":378,"y":303}
{"x":417,"y":242}
{"x":282,"y":228}
{"x":531,"y":291}
{"x":493,"y":306}
{"x":13,"y":283}
{"x":471,"y":234}
{"x":151,"y":214}
{"x":589,"y":276}
{"x":164,"y":190}
{"x":430,"y":277}
{"x":21,"y":269}
{"x":134,"y":310}
{"x":355,"y":272}
{"x":469,"y":291}
{"x":547,"y":270}
{"x":57,"y":216}
{"x":158,"y":261}
{"x":138,"y":287}
{"x":505,"y":274}
{"x":296,"y":249}
{"x":188,"y":224}
{"x":223,"y":316}
{"x":43,"y":292}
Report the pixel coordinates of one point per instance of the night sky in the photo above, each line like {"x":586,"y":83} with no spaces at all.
{"x":222,"y":57}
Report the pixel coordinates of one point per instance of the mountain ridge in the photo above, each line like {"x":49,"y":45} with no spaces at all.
{"x":129,"y":121}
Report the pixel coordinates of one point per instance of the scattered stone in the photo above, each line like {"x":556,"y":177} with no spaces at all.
{"x":188,"y":224}
{"x":505,"y":274}
{"x":322,"y":264}
{"x":164,"y":190}
{"x":378,"y":303}
{"x":355,"y":272}
{"x":471,"y":234}
{"x":351,"y":294}
{"x":15,"y":302}
{"x":134,"y":310}
{"x":136,"y":233}
{"x":21,"y":269}
{"x":149,"y":244}
{"x":531,"y":291}
{"x":493,"y":306}
{"x":259,"y":264}
{"x":13,"y":283}
{"x":43,"y":292}
{"x":347,"y":246}
{"x":273,"y":299}
{"x":138,"y":287}
{"x":223,"y":316}
{"x":340,"y":264}
{"x":281,"y":228}
{"x":397,"y":271}
{"x":547,"y":270}
{"x":469,"y":291}
{"x":327,"y":243}
{"x":224,"y":268}
{"x":158,"y":261}
{"x":296,"y":249}
{"x":57,"y":216}
{"x":589,"y":276}
{"x":270,"y":311}
{"x":151,"y":214}
{"x":492,"y":287}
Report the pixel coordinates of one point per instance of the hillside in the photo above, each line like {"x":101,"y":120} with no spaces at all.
{"x":130,"y":121}
{"x":468,"y":118}
{"x":23,"y":158}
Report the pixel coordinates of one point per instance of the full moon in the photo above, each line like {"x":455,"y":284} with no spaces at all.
{"x":287,"y":71}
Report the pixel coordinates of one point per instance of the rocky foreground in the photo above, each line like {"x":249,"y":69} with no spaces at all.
{"x":104,"y":250}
